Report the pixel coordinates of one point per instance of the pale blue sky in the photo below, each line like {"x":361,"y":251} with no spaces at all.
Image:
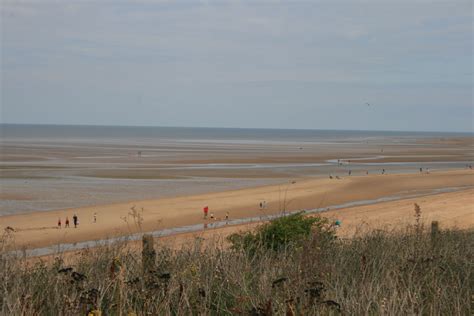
{"x":268,"y":64}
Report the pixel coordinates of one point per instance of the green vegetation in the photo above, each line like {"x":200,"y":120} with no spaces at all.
{"x":295,"y":267}
{"x":292,"y":230}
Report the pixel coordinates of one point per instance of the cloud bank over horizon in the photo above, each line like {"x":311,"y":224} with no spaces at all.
{"x":263,"y":64}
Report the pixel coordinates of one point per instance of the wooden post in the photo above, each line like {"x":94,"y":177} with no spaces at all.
{"x":148,"y":255}
{"x":434,"y":232}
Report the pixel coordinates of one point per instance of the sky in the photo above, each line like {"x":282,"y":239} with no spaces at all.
{"x":248,"y":64}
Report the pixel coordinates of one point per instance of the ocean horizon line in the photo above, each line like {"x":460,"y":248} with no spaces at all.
{"x":471,"y":133}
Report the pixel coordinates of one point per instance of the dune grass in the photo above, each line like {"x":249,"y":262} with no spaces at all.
{"x":386,"y":273}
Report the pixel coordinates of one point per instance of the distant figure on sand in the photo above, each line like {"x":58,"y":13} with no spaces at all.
{"x":383,"y":171}
{"x":212,"y":215}
{"x":75,"y":219}
{"x":205,"y":210}
{"x":227,"y":216}
{"x":350,"y":172}
{"x":67,"y":222}
{"x":59,"y":223}
{"x":421,"y":170}
{"x":95,"y":217}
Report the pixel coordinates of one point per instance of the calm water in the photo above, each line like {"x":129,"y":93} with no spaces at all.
{"x":75,"y":132}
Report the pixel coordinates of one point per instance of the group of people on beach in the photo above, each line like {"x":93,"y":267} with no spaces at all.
{"x":427,"y":170}
{"x":262,"y":205}
{"x":211,"y":215}
{"x":75,"y":220}
{"x":350,"y":173}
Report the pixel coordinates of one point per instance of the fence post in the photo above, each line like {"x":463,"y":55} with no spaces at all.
{"x":148,"y":255}
{"x":434,"y":232}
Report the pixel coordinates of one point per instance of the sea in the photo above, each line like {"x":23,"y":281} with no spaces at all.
{"x":82,"y":132}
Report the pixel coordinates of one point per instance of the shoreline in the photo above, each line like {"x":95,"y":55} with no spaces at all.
{"x":36,"y":230}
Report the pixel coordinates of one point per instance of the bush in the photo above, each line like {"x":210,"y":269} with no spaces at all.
{"x":283,"y":231}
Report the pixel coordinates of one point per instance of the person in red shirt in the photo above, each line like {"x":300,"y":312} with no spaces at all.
{"x":206,"y":210}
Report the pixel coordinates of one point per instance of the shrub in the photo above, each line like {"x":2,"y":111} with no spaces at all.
{"x":283,"y":231}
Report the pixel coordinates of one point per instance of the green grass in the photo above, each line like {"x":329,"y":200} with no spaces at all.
{"x":388,"y":273}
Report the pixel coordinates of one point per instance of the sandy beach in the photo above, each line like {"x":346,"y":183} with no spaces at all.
{"x":451,"y":210}
{"x":151,"y":179}
{"x":39,"y":229}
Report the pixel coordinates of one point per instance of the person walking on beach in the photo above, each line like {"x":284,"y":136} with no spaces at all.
{"x":226,"y":216}
{"x":67,"y":222}
{"x":95,"y":217}
{"x":59,"y":223}
{"x":205,"y":210}
{"x":75,"y":220}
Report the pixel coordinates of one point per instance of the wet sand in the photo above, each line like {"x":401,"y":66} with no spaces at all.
{"x":51,"y":174}
{"x":38,"y":229}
